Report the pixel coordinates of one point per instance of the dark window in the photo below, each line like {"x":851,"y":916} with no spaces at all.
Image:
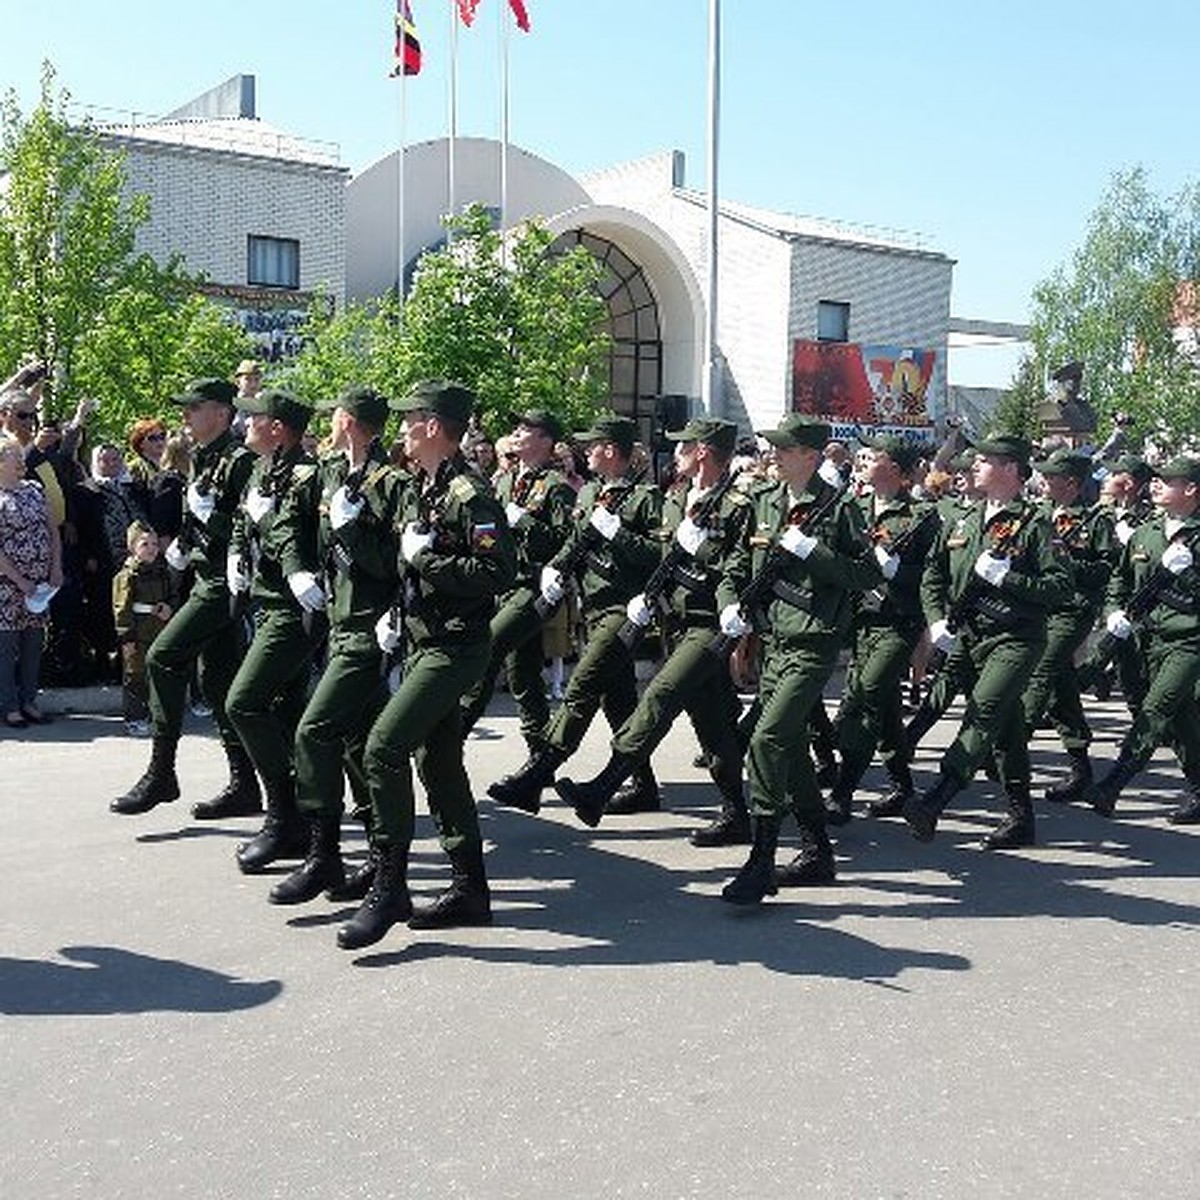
{"x":274,"y":262}
{"x":833,"y":321}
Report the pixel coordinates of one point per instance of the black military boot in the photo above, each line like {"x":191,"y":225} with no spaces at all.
{"x":523,"y":788}
{"x":732,"y":825}
{"x":158,"y":785}
{"x":892,"y":805}
{"x":386,"y":903}
{"x":467,"y":901}
{"x":1077,"y":782}
{"x":283,"y":834}
{"x":756,"y":879}
{"x":1102,"y":795}
{"x":638,"y":794}
{"x":814,"y":865}
{"x":321,"y":869}
{"x":357,"y":882}
{"x":1017,"y":828}
{"x":240,"y":797}
{"x":922,"y":812}
{"x":589,"y":799}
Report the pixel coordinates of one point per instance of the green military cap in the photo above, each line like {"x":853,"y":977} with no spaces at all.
{"x":1132,"y":464}
{"x":621,"y":431}
{"x":904,"y":452}
{"x":277,"y":403}
{"x":798,"y":429}
{"x":960,"y":464}
{"x":1067,"y":462}
{"x":1005,"y":445}
{"x":721,"y":435}
{"x":362,"y":403}
{"x":1183,"y":466}
{"x":200,"y":390}
{"x":440,"y":397}
{"x":543,"y":419}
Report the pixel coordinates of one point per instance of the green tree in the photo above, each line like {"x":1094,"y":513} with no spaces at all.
{"x":1017,"y":412}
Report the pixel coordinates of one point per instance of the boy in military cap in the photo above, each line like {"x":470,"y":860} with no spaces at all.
{"x":610,"y":552}
{"x":1158,"y":566}
{"x":537,"y":503}
{"x":204,"y":629}
{"x":991,"y":579}
{"x":458,"y":557}
{"x":269,"y":692}
{"x":700,"y":528}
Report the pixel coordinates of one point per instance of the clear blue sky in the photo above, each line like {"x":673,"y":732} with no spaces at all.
{"x":990,"y":130}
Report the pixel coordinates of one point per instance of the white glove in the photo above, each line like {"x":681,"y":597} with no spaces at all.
{"x":176,"y":556}
{"x":1123,"y":530}
{"x":889,"y":563}
{"x":1177,"y":558}
{"x":690,"y":535}
{"x":733,"y":624}
{"x":941,"y":637}
{"x":199,"y":505}
{"x":386,"y":633}
{"x":256,"y":505}
{"x":513,"y":514}
{"x":605,"y":523}
{"x":796,"y":541}
{"x":343,"y":510}
{"x":991,"y":568}
{"x":551,"y":584}
{"x":832,"y":476}
{"x":1118,"y":624}
{"x":413,"y":541}
{"x":639,"y":612}
{"x":307,"y":590}
{"x":236,"y":579}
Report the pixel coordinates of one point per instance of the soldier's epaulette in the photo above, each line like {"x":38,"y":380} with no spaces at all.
{"x":303,"y":472}
{"x":376,"y":475}
{"x":463,"y":488}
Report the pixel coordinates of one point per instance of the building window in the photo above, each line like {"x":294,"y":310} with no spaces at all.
{"x":833,"y":321}
{"x":274,"y":262}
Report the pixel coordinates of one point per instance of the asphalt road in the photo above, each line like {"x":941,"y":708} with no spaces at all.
{"x":941,"y":1023}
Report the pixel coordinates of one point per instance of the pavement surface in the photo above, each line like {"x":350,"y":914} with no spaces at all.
{"x":943,"y":1022}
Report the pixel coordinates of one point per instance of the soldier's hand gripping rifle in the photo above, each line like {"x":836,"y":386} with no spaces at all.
{"x":272,"y":486}
{"x":898,"y":548}
{"x":193,"y":533}
{"x":663,"y":575}
{"x":763,"y":583}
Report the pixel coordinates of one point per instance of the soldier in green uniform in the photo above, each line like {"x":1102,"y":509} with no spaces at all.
{"x":204,"y":629}
{"x":692,"y":678}
{"x":1085,"y":533}
{"x":269,"y":692}
{"x":814,"y":536}
{"x":354,"y":495}
{"x":458,"y":556}
{"x":537,"y":502}
{"x":1163,"y":549}
{"x":611,"y":551}
{"x":888,"y":625}
{"x":992,"y":578}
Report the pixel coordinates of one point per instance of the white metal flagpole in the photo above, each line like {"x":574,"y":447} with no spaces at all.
{"x":453,"y":108}
{"x":712,"y":377}
{"x":400,"y":247}
{"x":504,"y":37}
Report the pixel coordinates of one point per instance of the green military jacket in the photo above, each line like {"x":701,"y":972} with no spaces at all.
{"x":812,"y":598}
{"x":1038,"y":581}
{"x":691,"y":594}
{"x":137,"y":589}
{"x":1176,"y":616}
{"x":610,"y":574}
{"x":1128,"y":518}
{"x":451,"y":589}
{"x":1085,"y":534}
{"x":220,"y":469}
{"x":266,"y":524}
{"x":898,"y":599}
{"x":547,"y":498}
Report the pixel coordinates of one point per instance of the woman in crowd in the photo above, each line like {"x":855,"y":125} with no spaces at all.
{"x":147,"y":441}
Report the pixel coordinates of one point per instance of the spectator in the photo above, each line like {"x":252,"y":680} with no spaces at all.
{"x":166,"y":493}
{"x":147,"y":441}
{"x":19,"y":419}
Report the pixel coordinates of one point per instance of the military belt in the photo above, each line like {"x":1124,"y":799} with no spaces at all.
{"x":789,"y":593}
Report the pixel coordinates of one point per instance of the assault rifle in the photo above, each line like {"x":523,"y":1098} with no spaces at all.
{"x":763,"y":583}
{"x":663,"y":575}
{"x":193,"y":534}
{"x":877,"y":595}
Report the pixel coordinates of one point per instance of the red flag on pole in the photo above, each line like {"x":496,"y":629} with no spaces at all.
{"x":408,"y":45}
{"x":522,"y":17}
{"x":466,"y":10}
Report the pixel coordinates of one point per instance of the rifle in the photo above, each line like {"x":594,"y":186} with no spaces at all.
{"x":876,"y":596}
{"x":753,"y":594}
{"x":192,"y":534}
{"x":338,"y":560}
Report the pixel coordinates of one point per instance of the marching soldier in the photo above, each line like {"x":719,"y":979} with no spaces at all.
{"x":810,"y":537}
{"x":458,"y":557}
{"x":705,"y":525}
{"x":270,"y":690}
{"x":1158,"y":562}
{"x":204,"y":629}
{"x":611,"y":550}
{"x":992,"y":578}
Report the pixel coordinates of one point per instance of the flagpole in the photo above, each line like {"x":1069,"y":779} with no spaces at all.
{"x":400,"y":249}
{"x":711,"y":395}
{"x":504,"y":49}
{"x":453,"y":109}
